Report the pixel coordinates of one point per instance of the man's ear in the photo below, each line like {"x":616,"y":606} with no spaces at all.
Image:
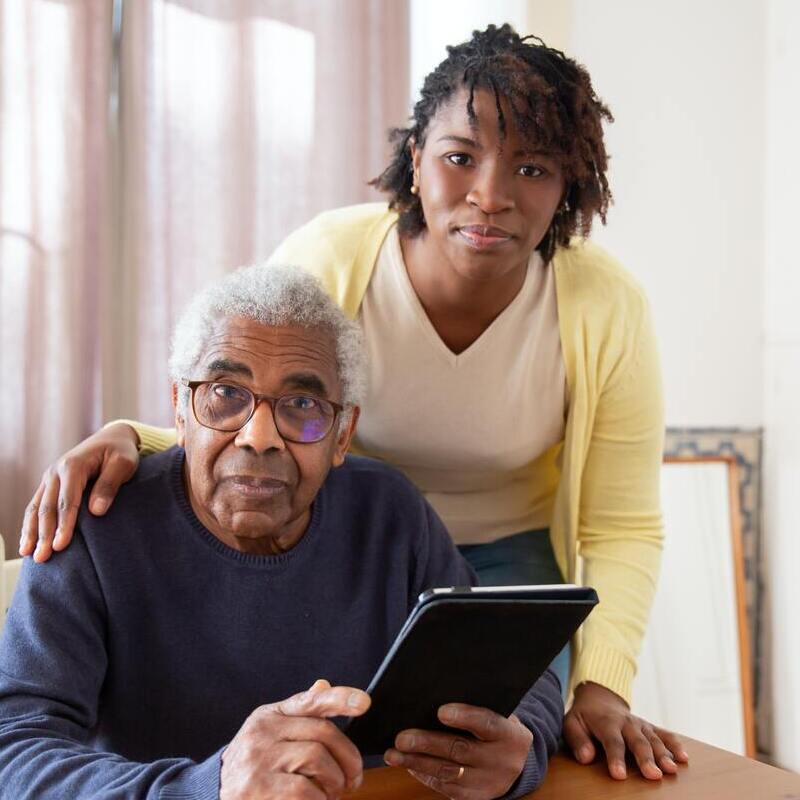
{"x":180,"y":422}
{"x":343,"y":439}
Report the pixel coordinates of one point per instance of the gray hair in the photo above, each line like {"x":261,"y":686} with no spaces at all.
{"x":273,"y":295}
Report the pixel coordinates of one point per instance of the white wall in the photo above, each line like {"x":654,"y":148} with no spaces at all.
{"x":438,"y":23}
{"x":686,"y":85}
{"x":782,"y":373}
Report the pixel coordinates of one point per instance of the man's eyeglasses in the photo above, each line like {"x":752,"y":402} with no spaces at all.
{"x":228,"y":407}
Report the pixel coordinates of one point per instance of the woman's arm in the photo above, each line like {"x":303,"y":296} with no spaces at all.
{"x":111,"y":455}
{"x":620,"y":538}
{"x":620,"y":527}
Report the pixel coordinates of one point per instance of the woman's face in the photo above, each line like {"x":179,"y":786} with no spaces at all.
{"x":488,"y":199}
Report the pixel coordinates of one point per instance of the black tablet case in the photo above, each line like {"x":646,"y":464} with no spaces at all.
{"x":483,"y":650}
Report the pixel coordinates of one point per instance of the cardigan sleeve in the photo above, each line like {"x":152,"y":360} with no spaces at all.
{"x":619,"y":525}
{"x":151,"y":438}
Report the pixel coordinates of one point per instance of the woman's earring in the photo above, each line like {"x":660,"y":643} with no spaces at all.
{"x":414,"y":189}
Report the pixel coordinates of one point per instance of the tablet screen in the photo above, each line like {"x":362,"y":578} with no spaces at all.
{"x":485,"y":646}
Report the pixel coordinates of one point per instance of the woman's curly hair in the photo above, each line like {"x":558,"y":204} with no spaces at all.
{"x":553,"y":105}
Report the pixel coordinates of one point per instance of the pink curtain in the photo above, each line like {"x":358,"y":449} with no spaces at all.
{"x":237,"y":122}
{"x":55,"y":201}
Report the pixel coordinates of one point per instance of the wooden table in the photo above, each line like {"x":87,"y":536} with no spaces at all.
{"x":713,"y":774}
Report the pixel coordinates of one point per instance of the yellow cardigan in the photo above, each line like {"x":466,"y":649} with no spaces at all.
{"x":606,"y":525}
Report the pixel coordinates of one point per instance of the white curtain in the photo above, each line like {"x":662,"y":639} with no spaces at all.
{"x":55,"y":201}
{"x":236,"y":122}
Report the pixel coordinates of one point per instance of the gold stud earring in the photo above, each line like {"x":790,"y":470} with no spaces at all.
{"x":414,"y":189}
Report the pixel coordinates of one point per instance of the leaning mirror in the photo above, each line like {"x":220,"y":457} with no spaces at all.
{"x":694,"y":670}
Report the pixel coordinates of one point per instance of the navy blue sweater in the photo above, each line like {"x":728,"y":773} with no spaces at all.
{"x":131,"y":659}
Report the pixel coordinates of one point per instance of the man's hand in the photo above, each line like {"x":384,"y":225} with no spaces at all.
{"x":289,"y":750}
{"x":480,"y":765}
{"x":600,"y":714}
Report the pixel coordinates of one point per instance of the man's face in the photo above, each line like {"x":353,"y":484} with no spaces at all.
{"x":251,"y":488}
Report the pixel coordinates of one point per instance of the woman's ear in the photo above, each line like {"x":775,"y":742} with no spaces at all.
{"x":416,"y":156}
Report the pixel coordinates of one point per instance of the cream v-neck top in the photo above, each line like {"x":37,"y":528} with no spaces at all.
{"x":471,"y":459}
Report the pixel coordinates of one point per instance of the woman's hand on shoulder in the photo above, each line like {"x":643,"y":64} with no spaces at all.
{"x":598,"y":713}
{"x":111,"y":455}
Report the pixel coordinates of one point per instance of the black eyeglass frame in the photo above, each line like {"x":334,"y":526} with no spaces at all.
{"x":338,"y":408}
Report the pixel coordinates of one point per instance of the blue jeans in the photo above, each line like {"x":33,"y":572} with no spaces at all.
{"x":519,"y":559}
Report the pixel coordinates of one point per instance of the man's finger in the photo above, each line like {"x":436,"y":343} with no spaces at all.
{"x":455,"y":790}
{"x":313,"y":760}
{"x":427,"y":780}
{"x":642,"y":751}
{"x":441,"y":769}
{"x":333,"y":701}
{"x":30,"y":524}
{"x":578,"y":739}
{"x":483,"y":723}
{"x":457,"y":749}
{"x":313,"y":729}
{"x":422,"y":777}
{"x":114,"y":472}
{"x":48,"y":518}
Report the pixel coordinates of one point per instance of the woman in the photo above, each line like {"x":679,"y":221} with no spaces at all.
{"x":513,"y":373}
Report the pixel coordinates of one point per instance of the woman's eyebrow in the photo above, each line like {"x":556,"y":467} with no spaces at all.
{"x":532,"y":152}
{"x":460,"y":140}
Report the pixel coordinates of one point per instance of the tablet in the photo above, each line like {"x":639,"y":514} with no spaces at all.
{"x":482,"y":645}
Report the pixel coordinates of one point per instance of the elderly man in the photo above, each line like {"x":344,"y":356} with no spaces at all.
{"x":163,"y":654}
